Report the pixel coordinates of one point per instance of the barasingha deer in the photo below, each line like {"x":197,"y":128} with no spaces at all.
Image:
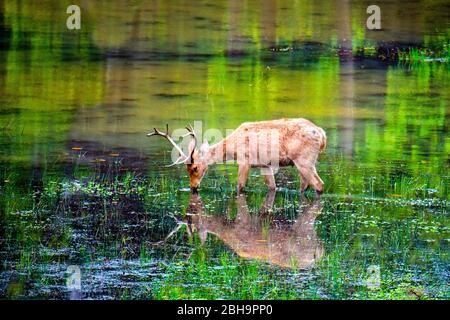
{"x":257,"y":236}
{"x":265,"y":144}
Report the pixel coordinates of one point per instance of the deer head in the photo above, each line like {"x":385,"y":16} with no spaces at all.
{"x":196,"y":162}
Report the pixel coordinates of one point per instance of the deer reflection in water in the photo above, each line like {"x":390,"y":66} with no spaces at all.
{"x":259,"y":236}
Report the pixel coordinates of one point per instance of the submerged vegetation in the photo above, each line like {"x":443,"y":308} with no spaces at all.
{"x":76,"y":221}
{"x":405,"y":54}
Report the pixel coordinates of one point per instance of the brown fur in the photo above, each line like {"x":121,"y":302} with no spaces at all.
{"x":300,"y":142}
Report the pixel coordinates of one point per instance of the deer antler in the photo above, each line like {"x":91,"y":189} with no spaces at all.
{"x":192,"y":134}
{"x":183,"y":157}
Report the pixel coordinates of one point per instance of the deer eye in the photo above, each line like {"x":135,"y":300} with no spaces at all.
{"x":195,"y":169}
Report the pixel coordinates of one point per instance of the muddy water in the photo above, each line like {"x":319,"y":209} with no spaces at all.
{"x":81,"y":185}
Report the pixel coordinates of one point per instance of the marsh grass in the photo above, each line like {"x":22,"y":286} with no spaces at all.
{"x":436,"y":52}
{"x":222,"y":276}
{"x":396,"y":223}
{"x":423,"y":55}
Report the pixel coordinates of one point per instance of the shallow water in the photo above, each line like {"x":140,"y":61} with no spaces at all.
{"x":81,"y":185}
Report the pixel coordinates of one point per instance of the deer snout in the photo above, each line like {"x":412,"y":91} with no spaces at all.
{"x":194,"y":190}
{"x":194,"y":183}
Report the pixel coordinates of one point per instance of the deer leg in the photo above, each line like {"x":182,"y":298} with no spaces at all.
{"x":313,"y":178}
{"x":270,"y":179}
{"x":243,"y":213}
{"x":304,"y":182}
{"x":318,"y":182}
{"x":268,"y":203}
{"x":307,"y":176}
{"x":243,"y":172}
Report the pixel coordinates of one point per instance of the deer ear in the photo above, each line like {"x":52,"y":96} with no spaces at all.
{"x":204,"y":148}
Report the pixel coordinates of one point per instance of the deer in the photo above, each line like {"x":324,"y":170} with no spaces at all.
{"x":286,"y":142}
{"x":258,"y":236}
